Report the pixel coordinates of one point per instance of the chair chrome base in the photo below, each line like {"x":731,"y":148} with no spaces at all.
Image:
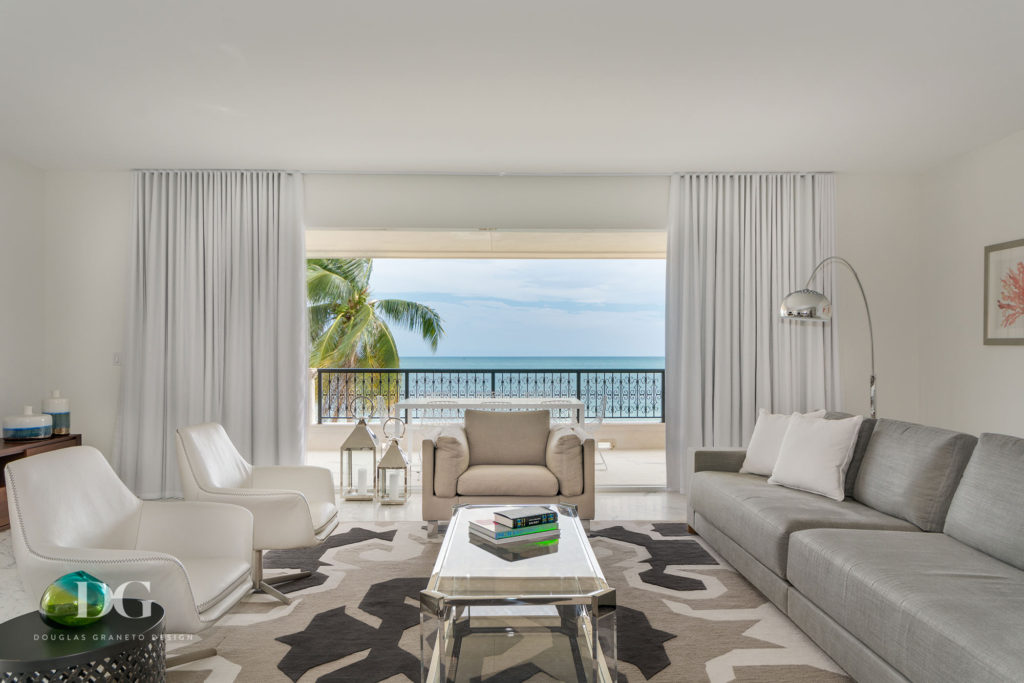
{"x":266,"y":585}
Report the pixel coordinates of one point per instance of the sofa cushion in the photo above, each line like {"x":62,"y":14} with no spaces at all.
{"x":759,"y":517}
{"x":986,"y":512}
{"x":451,"y":458}
{"x":564,"y":457}
{"x":507,"y":438}
{"x":910,"y":471}
{"x":507,"y":480}
{"x":933,"y":608}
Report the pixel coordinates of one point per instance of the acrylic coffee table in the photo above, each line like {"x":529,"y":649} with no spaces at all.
{"x":492,"y":608}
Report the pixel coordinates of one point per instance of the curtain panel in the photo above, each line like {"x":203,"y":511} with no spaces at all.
{"x":737,"y":244}
{"x":216,"y":326}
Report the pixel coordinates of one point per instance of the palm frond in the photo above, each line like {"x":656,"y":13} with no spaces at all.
{"x":339,"y":345}
{"x":332,"y":282}
{"x":347,"y":328}
{"x":320,"y":318}
{"x":413,"y":316}
{"x":380,"y":350}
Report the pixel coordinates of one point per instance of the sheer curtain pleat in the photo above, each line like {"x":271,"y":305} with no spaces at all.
{"x":216,"y":326}
{"x":737,"y":244}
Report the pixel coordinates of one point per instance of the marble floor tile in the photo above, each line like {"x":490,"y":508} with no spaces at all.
{"x":13,"y":599}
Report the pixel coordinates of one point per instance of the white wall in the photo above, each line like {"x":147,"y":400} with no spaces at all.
{"x":878,"y":224}
{"x":87,"y":219}
{"x":969,"y":202}
{"x":22,"y":304}
{"x":458,"y":202}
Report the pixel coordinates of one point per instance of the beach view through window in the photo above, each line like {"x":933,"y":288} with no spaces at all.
{"x":593,"y":313}
{"x":553,"y":314}
{"x":589,"y":330}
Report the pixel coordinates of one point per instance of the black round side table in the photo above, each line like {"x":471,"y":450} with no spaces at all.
{"x":116,"y":648}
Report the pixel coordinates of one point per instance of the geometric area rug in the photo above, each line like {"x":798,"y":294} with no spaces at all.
{"x":682,"y":614}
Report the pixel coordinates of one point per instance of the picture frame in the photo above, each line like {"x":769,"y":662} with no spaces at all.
{"x":1004,"y":293}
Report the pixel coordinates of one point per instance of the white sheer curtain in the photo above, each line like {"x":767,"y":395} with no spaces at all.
{"x":216,"y":326}
{"x":737,"y":244}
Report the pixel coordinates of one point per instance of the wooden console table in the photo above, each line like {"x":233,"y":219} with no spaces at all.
{"x":12,"y":450}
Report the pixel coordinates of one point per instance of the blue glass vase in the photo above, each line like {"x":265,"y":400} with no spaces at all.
{"x":75,"y":599}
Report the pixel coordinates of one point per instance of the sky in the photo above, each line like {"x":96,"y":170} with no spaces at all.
{"x":532,"y":307}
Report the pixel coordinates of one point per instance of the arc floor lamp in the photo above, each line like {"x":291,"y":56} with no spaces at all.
{"x":810,"y":305}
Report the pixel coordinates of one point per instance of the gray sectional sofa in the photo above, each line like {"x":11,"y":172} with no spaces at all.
{"x":916,"y":575}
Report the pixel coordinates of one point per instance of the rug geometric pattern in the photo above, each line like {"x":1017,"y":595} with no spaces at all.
{"x":683,"y":615}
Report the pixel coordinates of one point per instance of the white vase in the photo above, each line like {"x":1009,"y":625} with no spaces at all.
{"x":28,"y":426}
{"x":60,"y":410}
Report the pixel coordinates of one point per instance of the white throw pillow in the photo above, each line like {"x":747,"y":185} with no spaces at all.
{"x":815,"y":455}
{"x":766,"y":440}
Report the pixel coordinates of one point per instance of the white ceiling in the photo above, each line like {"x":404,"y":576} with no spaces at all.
{"x":517,"y":86}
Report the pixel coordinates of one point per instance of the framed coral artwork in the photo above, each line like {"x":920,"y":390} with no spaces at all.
{"x":1004,"y":293}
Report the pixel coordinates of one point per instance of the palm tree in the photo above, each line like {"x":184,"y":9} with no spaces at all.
{"x":348,"y":328}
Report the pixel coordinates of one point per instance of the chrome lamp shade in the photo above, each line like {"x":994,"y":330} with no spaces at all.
{"x":806,"y":304}
{"x":810,"y":305}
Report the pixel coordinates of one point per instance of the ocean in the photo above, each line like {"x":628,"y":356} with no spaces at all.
{"x":533,"y":362}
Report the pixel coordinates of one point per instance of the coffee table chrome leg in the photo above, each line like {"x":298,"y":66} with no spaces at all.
{"x":586,"y":525}
{"x":432,"y":528}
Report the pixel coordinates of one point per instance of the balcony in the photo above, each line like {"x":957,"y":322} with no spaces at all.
{"x":632,"y":436}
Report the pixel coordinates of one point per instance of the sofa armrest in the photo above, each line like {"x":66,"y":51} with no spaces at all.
{"x":715,"y":459}
{"x":709,"y":459}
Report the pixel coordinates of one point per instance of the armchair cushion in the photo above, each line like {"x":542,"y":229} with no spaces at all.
{"x":507,"y":438}
{"x":451,"y":459}
{"x":507,"y":480}
{"x":564,"y":457}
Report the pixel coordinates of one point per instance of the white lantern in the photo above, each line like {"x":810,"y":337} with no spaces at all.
{"x":393,"y":471}
{"x":359,"y":462}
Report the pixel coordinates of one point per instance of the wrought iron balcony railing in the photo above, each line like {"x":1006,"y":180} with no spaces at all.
{"x":629,"y":395}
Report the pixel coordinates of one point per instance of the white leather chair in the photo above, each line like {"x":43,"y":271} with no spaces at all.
{"x":293,"y":507}
{"x":70,"y":511}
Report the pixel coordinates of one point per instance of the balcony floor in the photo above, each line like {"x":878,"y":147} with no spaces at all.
{"x":629,"y":468}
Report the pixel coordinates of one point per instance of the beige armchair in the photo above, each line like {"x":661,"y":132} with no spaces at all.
{"x":506,"y":457}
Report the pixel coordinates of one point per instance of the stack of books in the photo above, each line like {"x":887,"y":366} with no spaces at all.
{"x":517,"y":525}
